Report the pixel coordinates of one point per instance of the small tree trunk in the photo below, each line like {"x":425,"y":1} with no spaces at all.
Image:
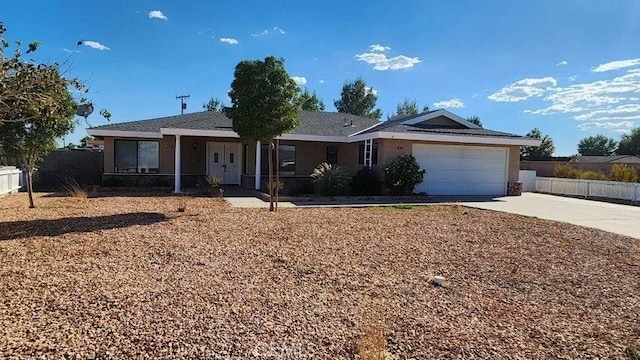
{"x":30,"y":188}
{"x":270,"y":155}
{"x":277,"y":173}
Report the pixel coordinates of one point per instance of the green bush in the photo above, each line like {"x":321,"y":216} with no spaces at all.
{"x":330,"y":180}
{"x":366,"y":182}
{"x":592,"y":175}
{"x":402,"y":175}
{"x":566,"y":171}
{"x":623,"y":173}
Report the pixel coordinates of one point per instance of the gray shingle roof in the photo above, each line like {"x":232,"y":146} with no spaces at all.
{"x":317,"y":123}
{"x":311,"y":123}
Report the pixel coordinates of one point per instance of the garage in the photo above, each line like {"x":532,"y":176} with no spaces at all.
{"x":462,"y":170}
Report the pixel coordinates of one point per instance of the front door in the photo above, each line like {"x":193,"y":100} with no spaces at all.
{"x":223,"y":161}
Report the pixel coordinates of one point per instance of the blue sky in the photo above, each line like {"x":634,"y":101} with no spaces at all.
{"x":568,"y":67}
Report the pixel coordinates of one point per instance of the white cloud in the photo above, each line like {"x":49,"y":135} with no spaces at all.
{"x":157,"y":14}
{"x":276,"y":30}
{"x":379,"y":48}
{"x":449,"y":104}
{"x":616,"y":65}
{"x":263,"y":33}
{"x":70,"y":51}
{"x":300,"y":80}
{"x":622,"y":126}
{"x":370,"y":90}
{"x":230,"y":41}
{"x":622,"y":112}
{"x":381,"y":62}
{"x":573,"y":77}
{"x":322,"y":81}
{"x":563,"y":62}
{"x":602,"y":95}
{"x":523,"y":89}
{"x":95,"y":45}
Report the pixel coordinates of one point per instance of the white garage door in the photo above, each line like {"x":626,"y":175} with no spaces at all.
{"x":462,"y":170}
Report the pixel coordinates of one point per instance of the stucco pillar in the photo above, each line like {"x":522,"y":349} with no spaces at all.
{"x":177,"y":188}
{"x":258,"y":164}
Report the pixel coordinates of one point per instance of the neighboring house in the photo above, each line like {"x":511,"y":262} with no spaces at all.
{"x":616,"y":159}
{"x":459,"y":157}
{"x":96,"y":144}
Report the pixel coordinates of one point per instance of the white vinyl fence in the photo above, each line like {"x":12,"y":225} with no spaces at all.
{"x":589,"y":188}
{"x":528,"y":180}
{"x":9,"y":179}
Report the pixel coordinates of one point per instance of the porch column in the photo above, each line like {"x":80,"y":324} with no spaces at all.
{"x":177,"y":189}
{"x":258,"y":164}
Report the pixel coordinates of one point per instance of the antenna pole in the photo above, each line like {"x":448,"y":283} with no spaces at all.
{"x":183,"y":104}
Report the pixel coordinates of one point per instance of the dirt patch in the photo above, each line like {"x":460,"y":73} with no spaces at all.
{"x":129,"y":277}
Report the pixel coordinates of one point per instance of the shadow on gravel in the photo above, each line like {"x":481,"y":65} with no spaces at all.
{"x":12,"y":230}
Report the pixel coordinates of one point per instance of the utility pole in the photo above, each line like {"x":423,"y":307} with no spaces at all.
{"x":183,"y":106}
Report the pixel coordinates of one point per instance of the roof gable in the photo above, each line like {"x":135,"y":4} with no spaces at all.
{"x":439,"y":118}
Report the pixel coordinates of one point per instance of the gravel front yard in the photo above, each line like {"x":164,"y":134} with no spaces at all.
{"x":130,"y":277}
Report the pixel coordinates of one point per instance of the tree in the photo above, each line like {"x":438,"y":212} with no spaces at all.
{"x":22,"y":83}
{"x":309,"y":101}
{"x":475,"y":120}
{"x":598,"y":145}
{"x":263,"y":105}
{"x":542,"y":152}
{"x":630,"y":143}
{"x":31,"y":130}
{"x":84,"y":140}
{"x":409,"y":107}
{"x":358,"y":99}
{"x":214,"y":105}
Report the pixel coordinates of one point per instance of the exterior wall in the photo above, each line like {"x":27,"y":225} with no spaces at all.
{"x":309,"y":154}
{"x":389,"y":149}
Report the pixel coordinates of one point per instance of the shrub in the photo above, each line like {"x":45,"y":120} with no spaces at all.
{"x":402,"y":175}
{"x":366,"y":182}
{"x":71,"y":187}
{"x":592,"y":175}
{"x":329,"y":180}
{"x":623,"y":173}
{"x":566,"y":171}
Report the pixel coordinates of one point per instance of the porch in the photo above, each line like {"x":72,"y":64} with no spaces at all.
{"x":183,"y":161}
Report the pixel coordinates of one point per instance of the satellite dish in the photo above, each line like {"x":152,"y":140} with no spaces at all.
{"x":84,"y":110}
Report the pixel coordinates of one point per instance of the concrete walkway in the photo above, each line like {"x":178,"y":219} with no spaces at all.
{"x":615,"y":218}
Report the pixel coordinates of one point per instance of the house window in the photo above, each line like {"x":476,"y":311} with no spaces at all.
{"x":332,"y":154}
{"x":374,"y":155}
{"x":287,"y":159}
{"x":141,"y":157}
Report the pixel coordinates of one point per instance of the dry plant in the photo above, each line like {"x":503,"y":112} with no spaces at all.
{"x":372,"y":345}
{"x":71,"y":187}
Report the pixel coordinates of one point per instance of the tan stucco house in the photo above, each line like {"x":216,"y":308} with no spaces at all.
{"x":459,"y":157}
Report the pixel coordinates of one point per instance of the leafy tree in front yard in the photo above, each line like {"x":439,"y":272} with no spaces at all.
{"x":358,"y":99}
{"x":542,"y":152}
{"x":402,"y":175}
{"x":30,"y":132}
{"x":630,"y":143}
{"x":309,"y":101}
{"x":263,"y":105}
{"x":598,"y":145}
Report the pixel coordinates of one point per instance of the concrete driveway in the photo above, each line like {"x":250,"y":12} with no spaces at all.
{"x":619,"y":219}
